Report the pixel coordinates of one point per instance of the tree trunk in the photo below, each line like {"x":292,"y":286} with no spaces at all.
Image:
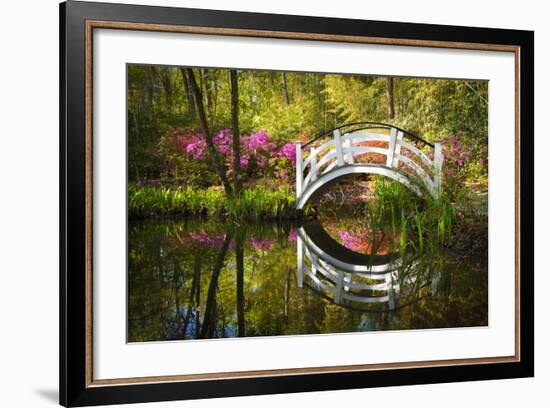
{"x":285,"y":88}
{"x":209,"y":318}
{"x":216,"y":158}
{"x":194,"y":282}
{"x":166,"y":79}
{"x":198,"y":307}
{"x":287,"y":293}
{"x":239,"y":254}
{"x":236,"y":132}
{"x":389,"y":97}
{"x":206,"y":85}
{"x":188,"y":93}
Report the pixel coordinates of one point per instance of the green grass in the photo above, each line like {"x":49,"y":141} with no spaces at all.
{"x":255,"y":203}
{"x":424,"y":224}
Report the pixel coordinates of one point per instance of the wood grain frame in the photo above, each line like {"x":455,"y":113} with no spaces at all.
{"x":77,"y":383}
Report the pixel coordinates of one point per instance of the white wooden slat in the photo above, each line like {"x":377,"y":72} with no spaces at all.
{"x":419,"y":171}
{"x":313,"y":165}
{"x":330,"y":167}
{"x":416,"y":151}
{"x":326,"y":158}
{"x":357,"y":150}
{"x":321,"y":284}
{"x":361,"y":299}
{"x":333,"y":276}
{"x":366,"y":137}
{"x":325,"y":147}
{"x":309,"y":177}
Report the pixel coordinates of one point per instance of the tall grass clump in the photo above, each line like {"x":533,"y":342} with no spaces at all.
{"x":260,"y":203}
{"x":423,"y":224}
{"x":251,"y":204}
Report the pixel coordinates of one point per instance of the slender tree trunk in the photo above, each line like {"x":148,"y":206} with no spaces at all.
{"x":216,"y":158}
{"x":239,"y":254}
{"x":287,"y":293}
{"x":206,"y":85}
{"x":209,"y":323}
{"x":196,"y":277}
{"x":150,"y":106}
{"x":285,"y":88}
{"x":236,"y":132}
{"x":188,"y":93}
{"x":166,"y":80}
{"x":198,"y":307}
{"x":389,"y":97}
{"x":176,"y":283}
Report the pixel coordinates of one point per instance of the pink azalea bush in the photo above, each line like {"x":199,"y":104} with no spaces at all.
{"x":262,"y":244}
{"x":456,"y":162}
{"x":353,"y":242}
{"x":260,"y":155}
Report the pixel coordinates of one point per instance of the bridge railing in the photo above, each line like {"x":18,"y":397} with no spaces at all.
{"x":352,"y":147}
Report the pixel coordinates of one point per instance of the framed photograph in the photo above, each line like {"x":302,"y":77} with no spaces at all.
{"x":256,"y":203}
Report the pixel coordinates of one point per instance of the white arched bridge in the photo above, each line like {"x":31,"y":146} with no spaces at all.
{"x":367,"y":148}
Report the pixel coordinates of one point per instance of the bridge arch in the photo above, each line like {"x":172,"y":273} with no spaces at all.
{"x":351,"y":279}
{"x":340,"y":152}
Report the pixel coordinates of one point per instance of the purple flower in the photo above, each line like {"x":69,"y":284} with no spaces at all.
{"x":352,"y":242}
{"x":289,"y":151}
{"x":263,"y":245}
{"x":207,"y":239}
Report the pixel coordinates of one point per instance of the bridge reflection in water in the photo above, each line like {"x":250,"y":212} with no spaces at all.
{"x":360,"y":281}
{"x":196,"y":280}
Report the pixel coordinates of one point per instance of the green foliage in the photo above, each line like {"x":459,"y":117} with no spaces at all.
{"x":259,"y":203}
{"x":299,"y":108}
{"x":425,"y":224}
{"x":251,"y":204}
{"x":356,"y":98}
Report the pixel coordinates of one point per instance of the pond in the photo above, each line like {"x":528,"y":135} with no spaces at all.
{"x":196,"y":278}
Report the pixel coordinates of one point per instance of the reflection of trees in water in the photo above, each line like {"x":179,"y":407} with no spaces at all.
{"x":185,"y":288}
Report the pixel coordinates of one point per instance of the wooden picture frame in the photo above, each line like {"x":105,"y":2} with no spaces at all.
{"x":78,"y":20}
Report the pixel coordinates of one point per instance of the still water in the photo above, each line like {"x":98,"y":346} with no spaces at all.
{"x":195,"y":279}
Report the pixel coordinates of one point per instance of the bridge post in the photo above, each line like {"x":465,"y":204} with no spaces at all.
{"x":338,"y":144}
{"x":397,"y":149}
{"x":299,"y":170}
{"x":438,"y":167}
{"x":391,"y":147}
{"x":348,"y":157}
{"x":339,"y":287}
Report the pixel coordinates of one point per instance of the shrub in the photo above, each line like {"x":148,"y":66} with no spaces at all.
{"x":185,"y":156}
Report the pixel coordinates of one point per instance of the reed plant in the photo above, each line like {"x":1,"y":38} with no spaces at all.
{"x":422,"y":224}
